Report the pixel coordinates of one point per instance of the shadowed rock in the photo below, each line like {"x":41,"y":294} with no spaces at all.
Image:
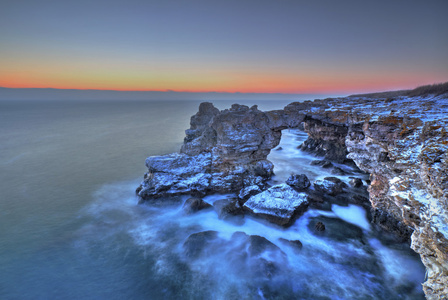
{"x":298,"y":182}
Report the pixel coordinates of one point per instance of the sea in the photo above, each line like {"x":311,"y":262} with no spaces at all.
{"x":71,"y":227}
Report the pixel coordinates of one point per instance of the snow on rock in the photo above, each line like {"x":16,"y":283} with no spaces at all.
{"x":279,"y":204}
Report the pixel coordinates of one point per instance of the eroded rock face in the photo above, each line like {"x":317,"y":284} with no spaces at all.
{"x":223,"y":151}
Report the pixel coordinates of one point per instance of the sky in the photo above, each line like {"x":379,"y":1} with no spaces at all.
{"x":247,"y":46}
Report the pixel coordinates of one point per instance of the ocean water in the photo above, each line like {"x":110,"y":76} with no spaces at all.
{"x":70,"y":226}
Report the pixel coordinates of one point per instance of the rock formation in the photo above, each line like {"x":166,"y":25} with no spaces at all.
{"x":401,"y":142}
{"x":223,"y":151}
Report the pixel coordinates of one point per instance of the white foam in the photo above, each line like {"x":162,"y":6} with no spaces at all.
{"x":353,"y":214}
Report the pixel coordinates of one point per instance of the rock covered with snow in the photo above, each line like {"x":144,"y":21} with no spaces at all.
{"x":176,"y":174}
{"x":279,"y":204}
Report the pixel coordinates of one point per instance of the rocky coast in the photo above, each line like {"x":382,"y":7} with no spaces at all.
{"x":400,"y":142}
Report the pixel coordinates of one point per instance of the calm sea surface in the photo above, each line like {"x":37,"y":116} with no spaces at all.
{"x":70,"y":227}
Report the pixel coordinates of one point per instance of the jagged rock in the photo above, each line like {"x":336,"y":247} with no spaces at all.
{"x":355,"y":182}
{"x":280,"y":204}
{"x":278,"y":149}
{"x":298,"y":182}
{"x":224,"y":151}
{"x":193,"y":205}
{"x":322,"y":163}
{"x":249,"y":191}
{"x":330,"y":185}
{"x":200,"y":137}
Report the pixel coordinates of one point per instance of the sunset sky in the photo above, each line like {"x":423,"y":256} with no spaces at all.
{"x":225,"y":46}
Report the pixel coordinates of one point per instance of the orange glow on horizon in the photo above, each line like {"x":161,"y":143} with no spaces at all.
{"x":200,"y":80}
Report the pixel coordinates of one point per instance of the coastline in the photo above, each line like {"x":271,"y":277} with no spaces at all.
{"x":399,"y":141}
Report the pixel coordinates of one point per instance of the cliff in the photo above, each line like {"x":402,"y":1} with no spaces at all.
{"x":401,"y":142}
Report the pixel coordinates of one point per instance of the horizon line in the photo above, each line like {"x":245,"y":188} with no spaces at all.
{"x":162,"y":91}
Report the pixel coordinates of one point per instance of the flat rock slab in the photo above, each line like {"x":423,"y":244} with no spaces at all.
{"x":280,"y":204}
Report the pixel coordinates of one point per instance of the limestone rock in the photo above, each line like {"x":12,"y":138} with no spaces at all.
{"x":402,"y":142}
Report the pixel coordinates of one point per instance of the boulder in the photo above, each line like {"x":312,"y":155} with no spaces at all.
{"x":298,"y":182}
{"x":280,"y":204}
